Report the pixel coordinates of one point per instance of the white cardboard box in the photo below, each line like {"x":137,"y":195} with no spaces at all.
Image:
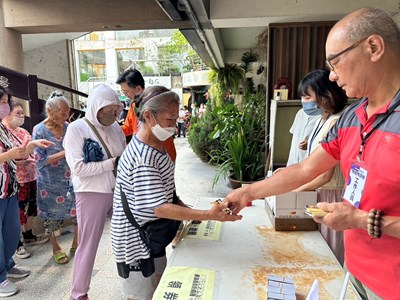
{"x":291,"y":205}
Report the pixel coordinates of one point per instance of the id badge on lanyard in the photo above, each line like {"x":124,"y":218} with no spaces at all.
{"x":358,"y":171}
{"x":355,"y":184}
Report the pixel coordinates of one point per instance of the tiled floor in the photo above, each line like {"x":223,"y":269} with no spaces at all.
{"x":49,"y":281}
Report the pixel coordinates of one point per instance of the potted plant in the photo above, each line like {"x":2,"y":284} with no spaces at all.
{"x":241,"y":156}
{"x":225,"y":81}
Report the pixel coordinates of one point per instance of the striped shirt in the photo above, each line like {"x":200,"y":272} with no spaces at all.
{"x":146,"y":176}
{"x":8,"y":181}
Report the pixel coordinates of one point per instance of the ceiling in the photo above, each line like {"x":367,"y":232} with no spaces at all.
{"x":37,"y":40}
{"x":219,"y":30}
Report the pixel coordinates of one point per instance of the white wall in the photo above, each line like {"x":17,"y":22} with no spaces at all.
{"x":50,"y":62}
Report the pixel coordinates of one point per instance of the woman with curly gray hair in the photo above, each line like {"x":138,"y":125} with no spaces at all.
{"x":56,"y":198}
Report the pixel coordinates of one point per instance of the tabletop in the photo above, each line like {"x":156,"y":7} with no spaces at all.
{"x":249,"y":250}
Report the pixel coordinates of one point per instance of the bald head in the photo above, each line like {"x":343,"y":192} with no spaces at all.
{"x":365,"y":22}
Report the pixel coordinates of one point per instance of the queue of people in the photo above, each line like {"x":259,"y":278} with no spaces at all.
{"x":86,"y":173}
{"x":26,"y":178}
{"x":9,"y":207}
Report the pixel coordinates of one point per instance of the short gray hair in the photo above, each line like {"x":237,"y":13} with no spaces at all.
{"x":55,"y":99}
{"x":157,"y":99}
{"x":370,"y":21}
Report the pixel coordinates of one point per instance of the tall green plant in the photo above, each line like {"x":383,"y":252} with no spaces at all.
{"x":241,"y":154}
{"x":225,"y":80}
{"x":248,"y":58}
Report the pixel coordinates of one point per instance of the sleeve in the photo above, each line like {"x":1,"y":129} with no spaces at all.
{"x":130,"y":126}
{"x":144,"y":185}
{"x":73,"y":145}
{"x":41,"y":154}
{"x":295,"y":121}
{"x":331,"y":144}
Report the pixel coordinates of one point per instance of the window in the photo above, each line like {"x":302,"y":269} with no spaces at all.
{"x":128,"y":57}
{"x":92,"y":64}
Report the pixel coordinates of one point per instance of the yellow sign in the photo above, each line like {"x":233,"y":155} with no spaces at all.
{"x":206,"y":230}
{"x":185,"y":283}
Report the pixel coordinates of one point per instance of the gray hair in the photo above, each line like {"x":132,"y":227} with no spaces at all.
{"x":368,"y":21}
{"x":53,"y":102}
{"x":157,"y":99}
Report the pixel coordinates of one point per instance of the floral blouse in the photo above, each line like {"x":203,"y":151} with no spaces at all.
{"x":25,"y":167}
{"x":55,"y":195}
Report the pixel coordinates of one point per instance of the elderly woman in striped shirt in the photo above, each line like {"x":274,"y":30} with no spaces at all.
{"x":146,"y":177}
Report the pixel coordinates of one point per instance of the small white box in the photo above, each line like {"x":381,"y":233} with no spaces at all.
{"x":306,"y":198}
{"x":291,"y":205}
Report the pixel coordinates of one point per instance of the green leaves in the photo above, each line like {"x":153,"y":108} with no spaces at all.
{"x":225,"y":80}
{"x":241,"y":136}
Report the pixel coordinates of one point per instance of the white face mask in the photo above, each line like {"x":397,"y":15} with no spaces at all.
{"x":162,"y":133}
{"x":17,"y":121}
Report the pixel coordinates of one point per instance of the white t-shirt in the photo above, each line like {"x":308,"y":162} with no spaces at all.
{"x":182,"y":115}
{"x":301,"y":129}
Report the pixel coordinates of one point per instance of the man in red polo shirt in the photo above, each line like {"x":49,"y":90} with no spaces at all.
{"x":363,"y":51}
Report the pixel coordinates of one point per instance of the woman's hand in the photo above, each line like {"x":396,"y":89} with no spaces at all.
{"x":219,"y":213}
{"x":43,"y":143}
{"x":303,"y":145}
{"x":16,"y":153}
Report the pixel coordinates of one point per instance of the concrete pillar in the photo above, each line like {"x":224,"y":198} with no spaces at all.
{"x":111,"y":57}
{"x":11,"y":53}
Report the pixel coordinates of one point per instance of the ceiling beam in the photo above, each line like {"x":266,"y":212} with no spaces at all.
{"x":264,"y":12}
{"x":50,"y":16}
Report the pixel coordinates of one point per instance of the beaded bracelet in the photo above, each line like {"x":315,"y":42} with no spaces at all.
{"x":374,"y":223}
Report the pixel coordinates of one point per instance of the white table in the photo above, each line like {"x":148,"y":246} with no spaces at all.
{"x":250,"y":250}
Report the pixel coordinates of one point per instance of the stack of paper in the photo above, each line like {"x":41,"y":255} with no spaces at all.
{"x":280,"y":288}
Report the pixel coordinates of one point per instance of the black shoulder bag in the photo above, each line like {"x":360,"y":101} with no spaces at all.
{"x":157,"y":235}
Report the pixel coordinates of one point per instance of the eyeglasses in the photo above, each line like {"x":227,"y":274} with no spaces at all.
{"x":329,"y":60}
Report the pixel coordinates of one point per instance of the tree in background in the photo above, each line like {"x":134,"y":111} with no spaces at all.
{"x":179,"y":50}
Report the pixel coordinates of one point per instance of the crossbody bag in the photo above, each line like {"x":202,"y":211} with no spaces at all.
{"x":102,"y":142}
{"x":156,"y":235}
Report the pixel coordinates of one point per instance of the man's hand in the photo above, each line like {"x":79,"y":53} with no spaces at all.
{"x":342,"y":216}
{"x":236,"y":200}
{"x":219,"y":213}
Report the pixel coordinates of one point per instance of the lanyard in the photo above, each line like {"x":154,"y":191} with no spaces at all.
{"x":365,"y":138}
{"x":315,"y":133}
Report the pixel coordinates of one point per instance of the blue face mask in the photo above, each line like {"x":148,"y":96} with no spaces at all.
{"x":311,"y":108}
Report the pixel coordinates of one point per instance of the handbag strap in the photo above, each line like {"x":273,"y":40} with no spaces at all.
{"x":127,"y":211}
{"x":101,"y":141}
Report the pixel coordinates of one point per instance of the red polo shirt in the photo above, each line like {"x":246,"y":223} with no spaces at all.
{"x":375,"y":262}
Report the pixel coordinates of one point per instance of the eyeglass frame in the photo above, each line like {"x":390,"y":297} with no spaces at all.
{"x":334,"y":56}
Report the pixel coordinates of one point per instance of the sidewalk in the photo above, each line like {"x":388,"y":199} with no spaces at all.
{"x":49,"y":281}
